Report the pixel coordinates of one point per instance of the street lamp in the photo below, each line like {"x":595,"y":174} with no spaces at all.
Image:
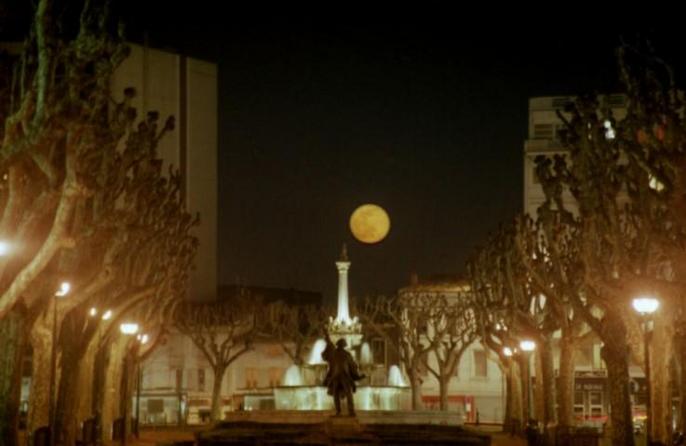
{"x":106,"y":315}
{"x":527,"y":346}
{"x":645,"y":306}
{"x":62,"y":292}
{"x":5,"y":248}
{"x":128,"y":329}
{"x":143,"y":339}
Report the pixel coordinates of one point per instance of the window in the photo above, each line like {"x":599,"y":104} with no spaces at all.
{"x":379,"y":351}
{"x":250,"y":377}
{"x":596,"y":403}
{"x":480,"y":364}
{"x":179,"y":379}
{"x":201,"y":380}
{"x":579,"y":404}
{"x":544,"y":131}
{"x":275,"y":374}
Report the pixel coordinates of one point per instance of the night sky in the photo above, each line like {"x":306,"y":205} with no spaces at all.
{"x":425,"y":116}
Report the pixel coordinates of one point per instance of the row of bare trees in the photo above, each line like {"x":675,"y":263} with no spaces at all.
{"x":428,"y":330}
{"x":226,"y":329}
{"x":611,"y":228}
{"x":84,"y":198}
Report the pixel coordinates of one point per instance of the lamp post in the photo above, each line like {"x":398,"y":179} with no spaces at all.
{"x":527,"y":346}
{"x":128,"y":329}
{"x":143,"y":339}
{"x":97,"y":382}
{"x":62,"y":292}
{"x":645,"y":306}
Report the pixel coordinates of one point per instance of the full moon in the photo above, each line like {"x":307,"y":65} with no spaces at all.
{"x":370,"y":223}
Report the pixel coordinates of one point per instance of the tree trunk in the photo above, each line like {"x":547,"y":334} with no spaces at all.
{"x":548,"y":382}
{"x":525,"y":380}
{"x":548,"y":392}
{"x":12,"y":334}
{"x":68,"y":388}
{"x":565,"y":384}
{"x":73,"y":345}
{"x":112,"y":380}
{"x":538,"y":387}
{"x":39,"y":401}
{"x":616,"y":357}
{"x":515,"y":397}
{"x":681,"y":361}
{"x":443,"y":384}
{"x":216,"y":412}
{"x":416,"y":388}
{"x":661,"y":382}
{"x":84,"y":402}
{"x":126,"y":392}
{"x":99,"y":388}
{"x":506,"y":370}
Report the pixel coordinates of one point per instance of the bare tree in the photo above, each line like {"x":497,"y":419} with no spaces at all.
{"x":627,"y":236}
{"x":83,"y":193}
{"x":294,"y":327}
{"x":223,"y":332}
{"x":451,"y":328}
{"x":402,"y":321}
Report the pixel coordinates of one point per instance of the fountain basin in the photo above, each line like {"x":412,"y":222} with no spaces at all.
{"x":367,"y":398}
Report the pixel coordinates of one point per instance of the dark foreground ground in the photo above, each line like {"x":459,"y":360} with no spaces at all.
{"x":164,"y":437}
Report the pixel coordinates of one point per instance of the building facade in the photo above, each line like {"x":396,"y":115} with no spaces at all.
{"x":186,"y":88}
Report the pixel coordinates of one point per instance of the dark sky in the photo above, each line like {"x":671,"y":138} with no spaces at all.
{"x":424,"y":115}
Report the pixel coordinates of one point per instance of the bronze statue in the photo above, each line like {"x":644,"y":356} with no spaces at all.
{"x":342,"y":374}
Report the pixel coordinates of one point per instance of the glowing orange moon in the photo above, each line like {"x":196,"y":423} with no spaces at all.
{"x":370,"y":223}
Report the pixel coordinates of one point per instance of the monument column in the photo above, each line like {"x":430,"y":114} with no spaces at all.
{"x":343,"y":265}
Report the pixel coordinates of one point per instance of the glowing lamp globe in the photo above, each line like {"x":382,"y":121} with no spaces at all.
{"x":645,"y":304}
{"x":65,"y":287}
{"x":128,"y":328}
{"x":5,"y":248}
{"x":507,"y":351}
{"x":527,"y":345}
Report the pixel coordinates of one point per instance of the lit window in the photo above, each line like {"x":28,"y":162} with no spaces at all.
{"x":201,"y":380}
{"x":275,"y":374}
{"x":379,"y":351}
{"x":480,"y":364}
{"x":250,"y":377}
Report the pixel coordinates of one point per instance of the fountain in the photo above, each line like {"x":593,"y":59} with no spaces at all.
{"x":292,"y":377}
{"x":382,"y":403}
{"x":302,"y":389}
{"x":316,"y":352}
{"x":366,"y":355}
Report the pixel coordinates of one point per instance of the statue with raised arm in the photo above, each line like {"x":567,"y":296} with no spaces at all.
{"x":342,"y":374}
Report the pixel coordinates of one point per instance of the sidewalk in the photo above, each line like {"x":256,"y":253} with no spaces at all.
{"x":499,"y":438}
{"x":155,"y":437}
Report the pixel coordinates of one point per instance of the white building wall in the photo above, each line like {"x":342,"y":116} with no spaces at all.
{"x":185,"y":88}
